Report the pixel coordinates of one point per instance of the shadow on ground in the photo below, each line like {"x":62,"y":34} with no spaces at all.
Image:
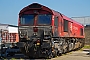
{"x":22,"y":57}
{"x":87,"y":50}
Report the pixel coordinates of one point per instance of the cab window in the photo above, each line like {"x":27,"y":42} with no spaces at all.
{"x":65,"y":25}
{"x":56,"y":21}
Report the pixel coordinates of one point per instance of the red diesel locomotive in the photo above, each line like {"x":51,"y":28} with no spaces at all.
{"x":44,"y":32}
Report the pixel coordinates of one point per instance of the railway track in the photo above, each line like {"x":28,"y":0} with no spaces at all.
{"x":76,"y":55}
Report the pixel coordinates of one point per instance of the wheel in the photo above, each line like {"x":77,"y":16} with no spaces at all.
{"x":50,"y":56}
{"x":59,"y":53}
{"x":64,"y":50}
{"x":55,"y":53}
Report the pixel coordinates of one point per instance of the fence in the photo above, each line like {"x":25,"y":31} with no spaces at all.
{"x":9,"y":37}
{"x":87,"y":35}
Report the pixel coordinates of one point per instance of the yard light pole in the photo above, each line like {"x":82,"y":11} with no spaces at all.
{"x":89,"y":47}
{"x":1,"y":41}
{"x":2,"y":45}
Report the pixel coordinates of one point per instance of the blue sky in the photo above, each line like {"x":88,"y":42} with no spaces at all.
{"x":9,"y":9}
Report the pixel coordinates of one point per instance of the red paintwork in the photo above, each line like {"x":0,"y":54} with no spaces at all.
{"x":74,"y":27}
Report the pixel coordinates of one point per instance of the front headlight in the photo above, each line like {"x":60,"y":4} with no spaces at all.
{"x":23,"y":34}
{"x":38,"y":42}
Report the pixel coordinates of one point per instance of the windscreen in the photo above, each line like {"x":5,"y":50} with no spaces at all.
{"x":44,"y":19}
{"x":27,"y":20}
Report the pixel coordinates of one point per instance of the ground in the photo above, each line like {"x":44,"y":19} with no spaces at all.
{"x":75,"y":55}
